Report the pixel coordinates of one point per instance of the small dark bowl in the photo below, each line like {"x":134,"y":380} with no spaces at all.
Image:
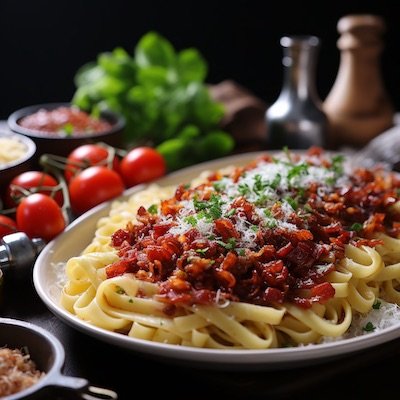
{"x":14,"y":168}
{"x":47,"y":352}
{"x":62,"y":146}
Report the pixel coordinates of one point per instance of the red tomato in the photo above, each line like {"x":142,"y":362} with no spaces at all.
{"x":92,"y":186}
{"x":7,"y":226}
{"x":85,"y":156}
{"x":142,"y":164}
{"x":32,"y":181}
{"x":39,"y":215}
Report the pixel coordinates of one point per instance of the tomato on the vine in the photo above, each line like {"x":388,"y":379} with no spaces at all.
{"x":142,"y":164}
{"x":32,"y":180}
{"x":39,"y":215}
{"x":92,"y":186}
{"x":86,"y":156}
{"x":7,"y":226}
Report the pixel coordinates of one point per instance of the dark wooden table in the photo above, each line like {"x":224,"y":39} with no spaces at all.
{"x":358,"y":375}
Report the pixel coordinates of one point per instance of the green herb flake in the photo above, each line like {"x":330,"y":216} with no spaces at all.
{"x":272,"y":223}
{"x":153,"y":209}
{"x":231,"y":244}
{"x":297,"y":170}
{"x":357,"y":227}
{"x":130,"y":301}
{"x":244,"y":189}
{"x":308,"y":208}
{"x":254,"y":228}
{"x":209,"y":210}
{"x":292,"y":202}
{"x":202,"y":251}
{"x":68,"y":129}
{"x":186,"y":186}
{"x":190,"y":219}
{"x":337,"y":164}
{"x":275,"y":182}
{"x":230,"y":212}
{"x":219,"y":186}
{"x":369,"y":327}
{"x":241,"y":252}
{"x":119,"y":290}
{"x":268,"y":213}
{"x":377,"y":305}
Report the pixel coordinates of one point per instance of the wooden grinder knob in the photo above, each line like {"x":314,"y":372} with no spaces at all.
{"x":358,"y":107}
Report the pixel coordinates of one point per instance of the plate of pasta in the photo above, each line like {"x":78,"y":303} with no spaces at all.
{"x":265,"y":260}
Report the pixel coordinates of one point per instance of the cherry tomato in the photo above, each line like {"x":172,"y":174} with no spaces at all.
{"x":142,"y":164}
{"x":92,"y":186}
{"x":7,"y":226}
{"x":31,"y":180}
{"x":39,"y":215}
{"x":85,"y":156}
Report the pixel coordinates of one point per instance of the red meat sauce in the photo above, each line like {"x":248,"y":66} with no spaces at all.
{"x":285,"y":266}
{"x":64,"y":121}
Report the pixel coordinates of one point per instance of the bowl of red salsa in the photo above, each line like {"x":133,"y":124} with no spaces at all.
{"x":58,"y":128}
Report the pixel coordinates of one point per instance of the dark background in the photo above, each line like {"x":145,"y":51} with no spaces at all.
{"x":43,"y":43}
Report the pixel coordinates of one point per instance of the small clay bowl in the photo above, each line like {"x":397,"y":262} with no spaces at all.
{"x":63,"y":145}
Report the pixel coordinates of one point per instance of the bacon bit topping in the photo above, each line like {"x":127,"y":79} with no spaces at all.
{"x":267,"y":233}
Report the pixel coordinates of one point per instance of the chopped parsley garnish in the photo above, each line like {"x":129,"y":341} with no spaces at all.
{"x":268,"y":213}
{"x":119,"y":290}
{"x":186,"y":186}
{"x":202,"y":251}
{"x":369,"y":327}
{"x":292,"y":202}
{"x":330,"y":181}
{"x":377,"y":305}
{"x":231,"y":244}
{"x":275,"y":182}
{"x":259,"y":185}
{"x":130,"y":301}
{"x":230,"y":212}
{"x":297,"y":170}
{"x":153,"y":209}
{"x":219,"y":186}
{"x":209,"y":210}
{"x":68,"y":129}
{"x":241,"y":252}
{"x":356,"y":227}
{"x":308,"y":208}
{"x":272,"y":223}
{"x":337,"y":164}
{"x":190,"y":219}
{"x":254,"y":228}
{"x":244,"y":189}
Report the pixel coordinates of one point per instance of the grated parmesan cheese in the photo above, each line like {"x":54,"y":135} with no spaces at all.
{"x":17,"y":371}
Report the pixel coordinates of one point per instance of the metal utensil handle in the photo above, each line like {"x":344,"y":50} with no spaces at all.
{"x":86,"y":391}
{"x":97,"y":393}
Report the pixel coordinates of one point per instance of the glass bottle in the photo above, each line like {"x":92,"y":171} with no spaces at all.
{"x":296,"y":119}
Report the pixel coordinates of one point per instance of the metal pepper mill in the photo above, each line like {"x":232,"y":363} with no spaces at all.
{"x":18,"y":252}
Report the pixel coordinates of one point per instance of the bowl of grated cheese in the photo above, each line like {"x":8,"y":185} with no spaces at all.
{"x":31,"y":363}
{"x":16,"y":155}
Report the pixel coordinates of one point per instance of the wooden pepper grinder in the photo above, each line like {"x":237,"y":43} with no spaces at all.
{"x":358,"y":107}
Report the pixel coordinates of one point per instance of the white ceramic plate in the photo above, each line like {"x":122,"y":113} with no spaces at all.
{"x":79,"y":234}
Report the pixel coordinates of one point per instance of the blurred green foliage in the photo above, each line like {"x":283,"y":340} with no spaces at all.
{"x":163,"y":96}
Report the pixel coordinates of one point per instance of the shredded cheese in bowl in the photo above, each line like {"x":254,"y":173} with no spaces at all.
{"x":17,"y":371}
{"x":11,"y":149}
